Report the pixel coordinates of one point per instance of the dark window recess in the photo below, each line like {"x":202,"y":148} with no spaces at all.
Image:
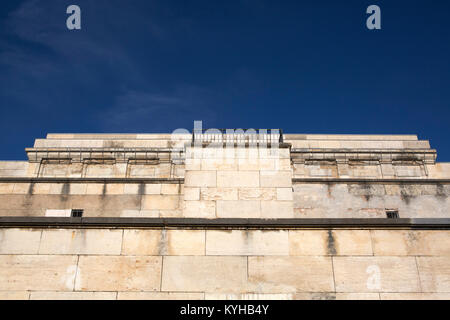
{"x":77,"y":213}
{"x":392,"y":214}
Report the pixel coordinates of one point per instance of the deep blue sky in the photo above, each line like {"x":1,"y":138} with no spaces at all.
{"x":154,"y":66}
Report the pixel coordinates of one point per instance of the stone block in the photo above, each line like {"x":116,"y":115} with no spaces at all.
{"x":114,"y":188}
{"x":170,"y":188}
{"x":21,"y":188}
{"x":351,"y":242}
{"x":308,"y":243}
{"x":139,"y":214}
{"x":138,"y":242}
{"x":376,"y":274}
{"x":285,"y":194}
{"x":185,"y":242}
{"x":238,"y":209}
{"x":248,"y":296}
{"x":19,"y":241}
{"x":133,"y":188}
{"x":81,"y":241}
{"x":239,"y":242}
{"x":118,"y":273}
{"x":219,"y":193}
{"x":414,"y":296}
{"x":14,"y":295}
{"x":37,"y":272}
{"x":204,"y":274}
{"x":191,"y":193}
{"x":277,"y":209}
{"x":411,"y":242}
{"x":6,"y":188}
{"x":58,"y":212}
{"x":152,"y":188}
{"x":222,"y":164}
{"x":290,"y":274}
{"x":200,"y":179}
{"x":96,"y":188}
{"x":256,"y":164}
{"x":160,"y":202}
{"x":53,"y":295}
{"x":160,"y":296}
{"x":257,"y":194}
{"x":235,"y":179}
{"x":434,"y":273}
{"x":276,"y":179}
{"x":199,"y":209}
{"x":78,"y":188}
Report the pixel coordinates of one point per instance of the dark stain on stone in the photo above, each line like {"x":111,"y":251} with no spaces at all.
{"x":324,"y":296}
{"x":404,"y":194}
{"x":329,"y":189}
{"x":440,"y":192}
{"x":162,"y":245}
{"x":31,"y":188}
{"x":330,"y":243}
{"x":104,"y":190}
{"x":141,"y":189}
{"x":65,"y":191}
{"x":365,"y":188}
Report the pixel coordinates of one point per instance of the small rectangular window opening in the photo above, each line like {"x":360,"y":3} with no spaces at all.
{"x":392,"y":214}
{"x":77,"y":213}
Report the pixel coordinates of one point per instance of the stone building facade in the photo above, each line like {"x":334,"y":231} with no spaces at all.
{"x":217,"y":216}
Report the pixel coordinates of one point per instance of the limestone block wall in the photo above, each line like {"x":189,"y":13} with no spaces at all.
{"x":97,"y":199}
{"x":141,"y":263}
{"x":238,"y":182}
{"x":371,"y":200}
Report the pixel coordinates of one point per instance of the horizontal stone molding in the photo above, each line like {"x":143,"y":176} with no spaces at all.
{"x":370,"y":180}
{"x":92,"y":180}
{"x":226,"y":223}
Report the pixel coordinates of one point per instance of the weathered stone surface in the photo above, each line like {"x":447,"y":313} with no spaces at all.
{"x":248,"y":296}
{"x":191,"y":193}
{"x":351,"y":242}
{"x":219,"y":193}
{"x":170,"y":188}
{"x":414,"y":296}
{"x":163,"y":242}
{"x":360,"y":274}
{"x":185,"y":242}
{"x":277,"y":209}
{"x":142,"y":242}
{"x":160,"y":202}
{"x":52,"y":295}
{"x":238,"y":209}
{"x":285,"y":194}
{"x":434,"y":273}
{"x":81,"y":241}
{"x":33,"y":272}
{"x":290,"y":274}
{"x":160,"y":296}
{"x":200,"y":179}
{"x":204,"y":274}
{"x":199,"y":209}
{"x":278,"y":179}
{"x":14,"y":295}
{"x":222,"y":164}
{"x":308,"y":242}
{"x":236,"y":179}
{"x":239,"y":242}
{"x":411,"y":242}
{"x":257,"y":194}
{"x":19,"y":241}
{"x":118,"y":273}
